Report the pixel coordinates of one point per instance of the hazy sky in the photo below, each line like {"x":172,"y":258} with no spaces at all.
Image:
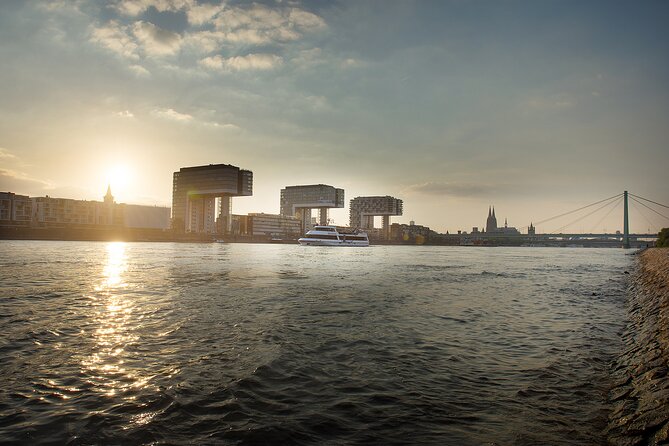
{"x":535,"y":107}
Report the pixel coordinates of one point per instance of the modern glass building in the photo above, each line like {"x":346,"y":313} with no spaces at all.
{"x":298,"y":201}
{"x":196,"y":191}
{"x":364,"y":209}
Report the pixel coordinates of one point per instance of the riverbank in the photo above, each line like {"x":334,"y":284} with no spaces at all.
{"x":640,"y":393}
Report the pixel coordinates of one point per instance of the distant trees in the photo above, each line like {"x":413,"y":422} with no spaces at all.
{"x":663,"y":238}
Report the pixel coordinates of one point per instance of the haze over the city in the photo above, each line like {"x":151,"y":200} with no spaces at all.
{"x":536,"y":108}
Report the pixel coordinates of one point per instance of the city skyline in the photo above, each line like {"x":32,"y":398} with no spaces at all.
{"x":450,"y":106}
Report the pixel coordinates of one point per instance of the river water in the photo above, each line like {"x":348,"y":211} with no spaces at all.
{"x":161,"y":343}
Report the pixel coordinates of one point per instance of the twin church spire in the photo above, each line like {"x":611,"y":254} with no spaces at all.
{"x":491,"y":222}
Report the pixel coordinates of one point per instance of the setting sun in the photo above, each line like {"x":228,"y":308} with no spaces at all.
{"x":120,"y":178}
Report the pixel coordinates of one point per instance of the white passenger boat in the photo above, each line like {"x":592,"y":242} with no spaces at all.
{"x":330,"y":236}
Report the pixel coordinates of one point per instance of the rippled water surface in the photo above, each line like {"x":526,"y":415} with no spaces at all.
{"x":136,"y":343}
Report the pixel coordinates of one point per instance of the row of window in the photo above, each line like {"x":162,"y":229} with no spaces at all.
{"x":334,"y":237}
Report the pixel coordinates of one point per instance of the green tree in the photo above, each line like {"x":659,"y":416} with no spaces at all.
{"x":663,"y":238}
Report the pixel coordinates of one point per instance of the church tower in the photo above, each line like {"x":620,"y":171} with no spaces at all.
{"x":108,"y":208}
{"x":108,"y":196}
{"x":491,"y":222}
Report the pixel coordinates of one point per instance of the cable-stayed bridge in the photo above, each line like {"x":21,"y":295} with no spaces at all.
{"x":652,"y":212}
{"x":606,"y":207}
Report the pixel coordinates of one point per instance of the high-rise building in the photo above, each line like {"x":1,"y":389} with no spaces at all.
{"x":298,"y":201}
{"x":364,"y":209}
{"x":196,"y":190}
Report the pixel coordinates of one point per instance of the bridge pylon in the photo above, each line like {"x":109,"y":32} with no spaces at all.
{"x":626,"y":224}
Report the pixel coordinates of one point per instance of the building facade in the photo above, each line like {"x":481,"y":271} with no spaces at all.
{"x":197,"y":193}
{"x":21,"y":210}
{"x":364,"y":209}
{"x":266,"y":227}
{"x":16,"y":209}
{"x":298,"y":201}
{"x":274,"y":226}
{"x":411,"y":233}
{"x":137,"y":216}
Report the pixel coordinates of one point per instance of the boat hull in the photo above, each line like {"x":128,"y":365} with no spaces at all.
{"x":316,"y":242}
{"x":329,"y":236}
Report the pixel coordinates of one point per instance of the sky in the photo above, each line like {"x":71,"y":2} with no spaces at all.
{"x":536,"y":108}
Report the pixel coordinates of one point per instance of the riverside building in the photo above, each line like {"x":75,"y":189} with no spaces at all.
{"x":200,"y":192}
{"x":364,"y":209}
{"x":266,"y":227}
{"x":48,"y":212}
{"x":15,"y":208}
{"x":298,"y":201}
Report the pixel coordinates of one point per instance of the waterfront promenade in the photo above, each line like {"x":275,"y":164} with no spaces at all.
{"x":640,"y":392}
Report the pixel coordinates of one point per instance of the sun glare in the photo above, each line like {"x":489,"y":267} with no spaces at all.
{"x":119,"y":177}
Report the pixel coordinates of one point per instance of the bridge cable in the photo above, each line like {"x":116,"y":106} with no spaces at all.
{"x":617,"y":203}
{"x":646,"y":206}
{"x":651,"y":201}
{"x":652,"y":226}
{"x":576,"y":210}
{"x":583,"y":217}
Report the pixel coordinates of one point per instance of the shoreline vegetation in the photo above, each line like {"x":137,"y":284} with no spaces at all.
{"x":639,"y":396}
{"x":663,"y":238}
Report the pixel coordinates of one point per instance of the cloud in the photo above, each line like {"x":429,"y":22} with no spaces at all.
{"x":125,"y":114}
{"x":305,"y":20}
{"x":309,"y":58}
{"x":217,"y":30}
{"x":65,"y":6}
{"x":172,"y":115}
{"x":450,"y":189}
{"x":257,"y":24}
{"x":130,"y":41}
{"x":202,"y":14}
{"x":351,"y":63}
{"x":14,"y":180}
{"x":260,"y":24}
{"x":115,"y":38}
{"x":231,"y":128}
{"x":139,"y":71}
{"x":205,"y":41}
{"x":21,"y":183}
{"x":134,"y":8}
{"x":7,"y":155}
{"x":242,"y":63}
{"x":156,"y":41}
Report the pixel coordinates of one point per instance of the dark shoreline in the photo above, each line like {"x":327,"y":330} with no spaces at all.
{"x":123,"y":234}
{"x":639,"y":396}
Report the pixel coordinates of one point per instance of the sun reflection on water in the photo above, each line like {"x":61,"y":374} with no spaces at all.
{"x":115,"y":266}
{"x":116,"y":320}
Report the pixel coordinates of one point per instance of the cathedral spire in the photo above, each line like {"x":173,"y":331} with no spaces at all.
{"x":493,"y":212}
{"x":108,"y":195}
